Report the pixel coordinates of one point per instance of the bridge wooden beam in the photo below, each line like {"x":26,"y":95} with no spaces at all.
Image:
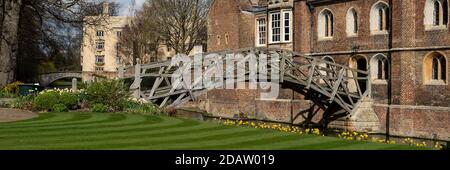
{"x":337,"y":85}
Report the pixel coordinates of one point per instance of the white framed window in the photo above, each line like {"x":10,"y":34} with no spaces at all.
{"x":280,"y":24}
{"x":261,"y":32}
{"x":436,"y":14}
{"x":119,"y":34}
{"x":325,"y":26}
{"x":379,"y":69}
{"x":287,"y":31}
{"x":100,"y":45}
{"x":99,"y":59}
{"x":275,"y":32}
{"x":352,"y":22}
{"x":379,"y":18}
{"x":100,"y":33}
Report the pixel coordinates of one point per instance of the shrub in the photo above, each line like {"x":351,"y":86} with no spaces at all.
{"x":139,"y":106}
{"x":10,"y":90}
{"x":99,"y":108}
{"x":59,"y":108}
{"x":46,"y":100}
{"x":107,"y":92}
{"x":70,"y":100}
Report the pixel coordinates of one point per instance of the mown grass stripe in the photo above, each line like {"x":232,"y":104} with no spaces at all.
{"x":262,"y":144}
{"x":95,"y":134}
{"x":111,"y":131}
{"x":122,"y":121}
{"x":47,"y":129}
{"x":290,"y":142}
{"x":99,"y":119}
{"x":364,"y":146}
{"x":325,"y":145}
{"x":41,"y":117}
{"x":148,"y":139}
{"x":46,"y":118}
{"x":59,"y":118}
{"x":78,"y":120}
{"x":255,"y":136}
{"x":156,"y":131}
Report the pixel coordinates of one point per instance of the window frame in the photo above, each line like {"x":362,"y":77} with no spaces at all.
{"x":430,"y":70}
{"x":100,"y":33}
{"x":282,"y":26}
{"x":436,"y":19}
{"x":259,"y":31}
{"x":97,"y":59}
{"x":355,"y":22}
{"x":323,"y":23}
{"x":376,"y":71}
{"x":272,"y":28}
{"x":379,"y":25}
{"x":97,"y":45}
{"x":289,"y":26}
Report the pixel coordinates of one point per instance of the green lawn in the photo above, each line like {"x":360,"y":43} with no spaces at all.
{"x":95,"y":131}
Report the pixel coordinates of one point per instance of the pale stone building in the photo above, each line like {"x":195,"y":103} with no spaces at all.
{"x":99,"y":54}
{"x":100,"y":57}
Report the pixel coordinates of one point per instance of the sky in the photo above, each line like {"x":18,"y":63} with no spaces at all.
{"x":126,"y":4}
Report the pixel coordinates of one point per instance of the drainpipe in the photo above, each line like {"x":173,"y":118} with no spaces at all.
{"x":388,"y":114}
{"x":312,"y":21}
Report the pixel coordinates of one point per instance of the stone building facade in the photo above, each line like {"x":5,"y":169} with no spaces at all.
{"x":405,"y":44}
{"x":100,"y":54}
{"x":99,"y":51}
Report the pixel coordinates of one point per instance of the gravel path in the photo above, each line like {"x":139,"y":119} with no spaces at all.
{"x":11,"y":115}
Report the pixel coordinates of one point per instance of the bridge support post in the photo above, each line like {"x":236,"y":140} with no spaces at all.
{"x":362,"y":119}
{"x":121,"y":72}
{"x":136,"y":86}
{"x":74,"y":84}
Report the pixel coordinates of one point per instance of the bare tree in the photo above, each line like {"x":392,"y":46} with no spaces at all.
{"x":180,"y":24}
{"x":139,"y":38}
{"x":8,"y":42}
{"x":50,"y":17}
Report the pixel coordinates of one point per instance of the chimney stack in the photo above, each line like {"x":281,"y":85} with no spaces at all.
{"x":105,"y":8}
{"x":254,"y":2}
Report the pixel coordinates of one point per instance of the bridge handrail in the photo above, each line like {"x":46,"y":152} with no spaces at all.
{"x":164,"y":63}
{"x":77,"y":72}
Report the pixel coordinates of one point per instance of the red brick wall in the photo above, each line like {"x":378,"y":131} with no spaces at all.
{"x":223,"y":19}
{"x":416,"y":121}
{"x":408,"y":88}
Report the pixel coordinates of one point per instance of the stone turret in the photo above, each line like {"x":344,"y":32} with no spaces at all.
{"x":105,"y":8}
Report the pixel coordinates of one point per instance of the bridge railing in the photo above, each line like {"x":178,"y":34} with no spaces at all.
{"x":340,"y":83}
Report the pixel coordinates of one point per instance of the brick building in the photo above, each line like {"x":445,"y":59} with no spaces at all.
{"x":405,"y":44}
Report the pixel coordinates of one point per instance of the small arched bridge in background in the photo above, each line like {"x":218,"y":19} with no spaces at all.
{"x":46,"y":79}
{"x":337,"y":83}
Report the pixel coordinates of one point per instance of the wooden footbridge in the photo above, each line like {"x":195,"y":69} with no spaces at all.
{"x":338,"y":83}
